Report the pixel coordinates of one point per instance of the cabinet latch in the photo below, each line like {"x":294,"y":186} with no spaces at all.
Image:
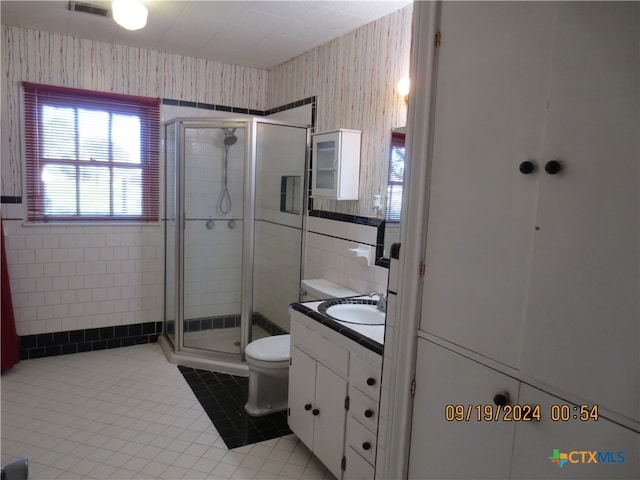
{"x":422,"y":269}
{"x":346,"y":403}
{"x":438,"y":39}
{"x":413,"y":387}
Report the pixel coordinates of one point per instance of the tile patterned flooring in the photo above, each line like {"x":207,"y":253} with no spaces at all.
{"x":223,"y":398}
{"x":128,"y":414}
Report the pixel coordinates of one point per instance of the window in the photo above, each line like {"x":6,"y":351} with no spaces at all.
{"x":395,"y":185}
{"x":91,"y":155}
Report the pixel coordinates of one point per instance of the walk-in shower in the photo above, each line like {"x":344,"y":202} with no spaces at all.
{"x":233,"y":235}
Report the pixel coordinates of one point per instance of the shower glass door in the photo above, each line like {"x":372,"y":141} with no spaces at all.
{"x":280,"y":166}
{"x":213,"y":168}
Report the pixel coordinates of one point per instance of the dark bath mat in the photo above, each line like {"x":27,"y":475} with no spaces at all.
{"x":223,"y":397}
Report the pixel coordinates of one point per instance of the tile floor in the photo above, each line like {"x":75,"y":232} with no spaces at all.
{"x":127,"y":414}
{"x":223,"y":398}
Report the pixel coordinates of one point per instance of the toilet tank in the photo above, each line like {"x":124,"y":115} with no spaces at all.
{"x":321,"y":289}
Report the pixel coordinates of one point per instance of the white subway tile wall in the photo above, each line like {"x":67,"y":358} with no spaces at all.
{"x":69,"y":278}
{"x":327,"y":255}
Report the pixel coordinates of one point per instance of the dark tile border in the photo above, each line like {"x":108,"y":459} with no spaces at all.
{"x":247,"y":111}
{"x":230,"y":321}
{"x":87,"y":340}
{"x":9,"y":199}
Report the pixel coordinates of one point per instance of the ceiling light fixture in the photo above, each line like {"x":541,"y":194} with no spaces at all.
{"x":129,"y":14}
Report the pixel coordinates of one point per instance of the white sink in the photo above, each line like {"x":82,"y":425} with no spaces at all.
{"x":363,"y":314}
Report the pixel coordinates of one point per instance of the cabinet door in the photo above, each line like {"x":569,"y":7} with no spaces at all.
{"x":325,"y":150}
{"x":582,"y":328}
{"x":302,"y":381}
{"x":329,"y":425}
{"x":489,"y":118}
{"x":536,"y":442}
{"x":460,"y":448}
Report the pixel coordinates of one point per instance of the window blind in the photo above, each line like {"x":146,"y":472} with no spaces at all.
{"x":91,"y":156}
{"x":395,"y":184}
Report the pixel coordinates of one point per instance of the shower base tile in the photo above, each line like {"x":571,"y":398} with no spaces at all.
{"x":222,"y":397}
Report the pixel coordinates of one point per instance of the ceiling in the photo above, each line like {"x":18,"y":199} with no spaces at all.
{"x":259,"y":34}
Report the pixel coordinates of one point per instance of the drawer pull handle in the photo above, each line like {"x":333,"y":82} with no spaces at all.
{"x":368,"y":413}
{"x":371,"y":381}
{"x":366,"y":446}
{"x":307,"y":407}
{"x":315,"y":411}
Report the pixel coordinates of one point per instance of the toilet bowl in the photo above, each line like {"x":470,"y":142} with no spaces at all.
{"x":268,"y":358}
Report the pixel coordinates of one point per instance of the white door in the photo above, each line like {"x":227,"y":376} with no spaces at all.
{"x":582,"y":329}
{"x":445,"y":442}
{"x":492,"y":87}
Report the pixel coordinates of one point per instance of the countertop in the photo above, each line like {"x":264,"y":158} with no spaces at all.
{"x":369,"y":336}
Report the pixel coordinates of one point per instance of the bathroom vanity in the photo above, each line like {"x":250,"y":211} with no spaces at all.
{"x":334,"y":389}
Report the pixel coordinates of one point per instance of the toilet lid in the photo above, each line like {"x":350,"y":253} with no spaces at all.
{"x":270,"y":349}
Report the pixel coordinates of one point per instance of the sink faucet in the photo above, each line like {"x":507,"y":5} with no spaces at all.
{"x":382,"y":301}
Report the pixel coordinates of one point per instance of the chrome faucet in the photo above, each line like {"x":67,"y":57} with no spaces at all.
{"x":382,"y":301}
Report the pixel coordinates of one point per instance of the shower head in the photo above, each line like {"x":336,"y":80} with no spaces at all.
{"x":229,"y":136}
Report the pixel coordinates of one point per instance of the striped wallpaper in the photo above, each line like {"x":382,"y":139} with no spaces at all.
{"x":54,"y":59}
{"x":353,"y":77}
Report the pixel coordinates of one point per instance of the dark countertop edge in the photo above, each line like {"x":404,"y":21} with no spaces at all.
{"x":338,"y":327}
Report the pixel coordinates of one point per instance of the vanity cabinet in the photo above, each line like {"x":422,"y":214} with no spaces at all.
{"x":533,"y":229}
{"x":316,"y":408}
{"x":334,"y":389}
{"x":336,"y":165}
{"x":365,"y":373}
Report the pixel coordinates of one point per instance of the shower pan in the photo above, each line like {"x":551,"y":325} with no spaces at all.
{"x":233,"y":235}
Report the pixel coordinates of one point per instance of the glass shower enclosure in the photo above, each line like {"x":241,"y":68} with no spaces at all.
{"x":234,"y":193}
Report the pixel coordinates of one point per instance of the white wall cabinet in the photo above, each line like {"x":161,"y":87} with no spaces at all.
{"x":334,"y":389}
{"x":336,"y":165}
{"x":457,"y":449}
{"x":465,"y":448}
{"x":533,"y":241}
{"x":531,"y":263}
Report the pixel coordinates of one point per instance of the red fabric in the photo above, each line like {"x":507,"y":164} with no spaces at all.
{"x":10,"y":341}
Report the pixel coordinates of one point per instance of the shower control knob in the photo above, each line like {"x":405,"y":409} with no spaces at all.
{"x":371,"y":381}
{"x":368,"y":413}
{"x":315,"y":412}
{"x":307,"y":407}
{"x":366,"y":446}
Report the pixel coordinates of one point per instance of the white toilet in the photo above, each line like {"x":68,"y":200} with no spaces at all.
{"x":268,"y":358}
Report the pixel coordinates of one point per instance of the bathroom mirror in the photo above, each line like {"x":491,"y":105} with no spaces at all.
{"x":395,"y":189}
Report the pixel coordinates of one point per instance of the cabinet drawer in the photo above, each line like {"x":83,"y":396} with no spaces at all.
{"x":364,"y":409}
{"x":361,"y":440}
{"x":357,"y":467}
{"x":366,"y":375}
{"x":320,"y":348}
